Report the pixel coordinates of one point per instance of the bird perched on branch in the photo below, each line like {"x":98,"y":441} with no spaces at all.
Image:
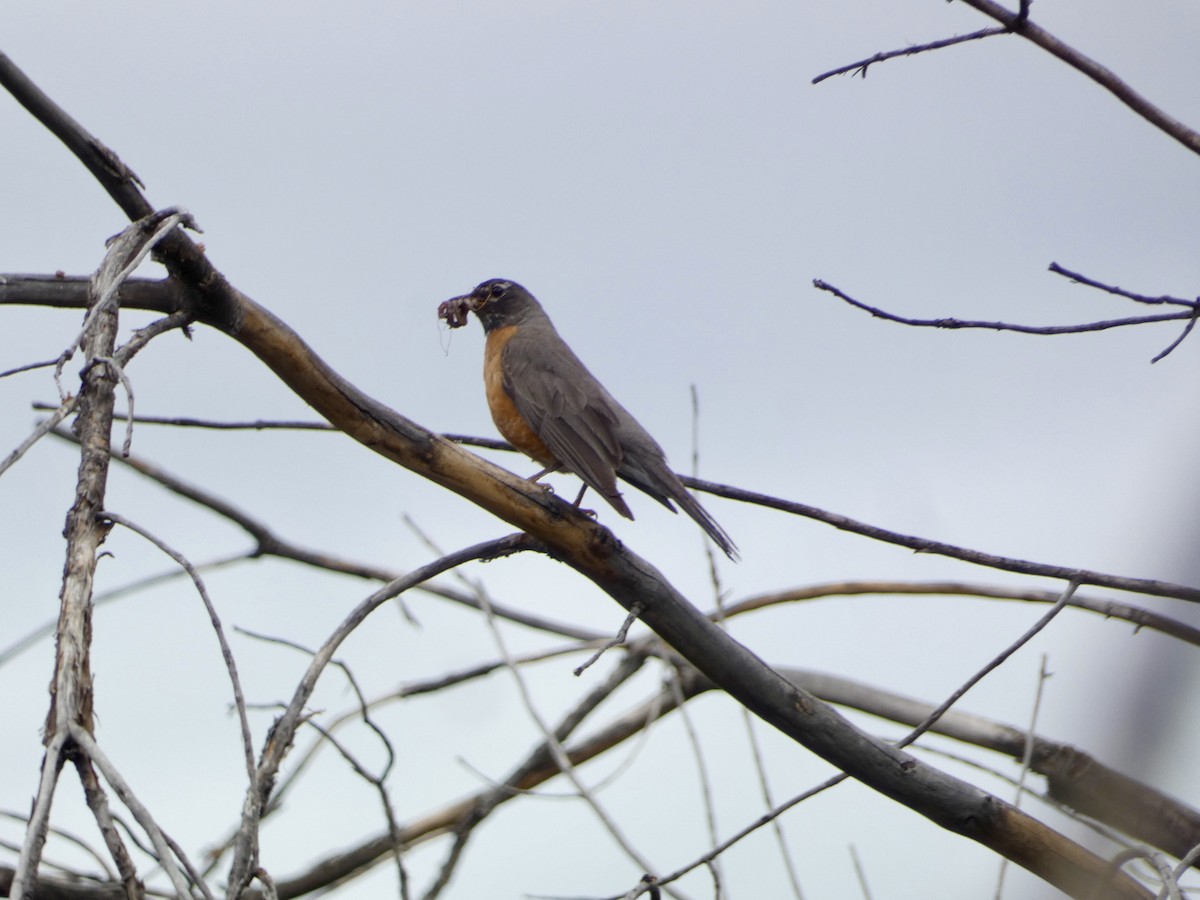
{"x":550,"y":407}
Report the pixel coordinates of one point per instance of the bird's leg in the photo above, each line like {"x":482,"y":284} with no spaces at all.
{"x":547,"y":471}
{"x":590,"y":513}
{"x":554,"y":468}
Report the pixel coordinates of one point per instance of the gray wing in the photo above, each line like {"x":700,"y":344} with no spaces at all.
{"x":567,"y":407}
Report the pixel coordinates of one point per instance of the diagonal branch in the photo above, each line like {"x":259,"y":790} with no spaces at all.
{"x":1019,"y":23}
{"x":592,"y":551}
{"x":282,"y":734}
{"x":861,"y":66}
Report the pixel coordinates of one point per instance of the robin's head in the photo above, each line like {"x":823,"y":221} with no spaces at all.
{"x":499,"y":302}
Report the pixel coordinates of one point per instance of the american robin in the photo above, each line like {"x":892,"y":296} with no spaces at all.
{"x":549,"y":406}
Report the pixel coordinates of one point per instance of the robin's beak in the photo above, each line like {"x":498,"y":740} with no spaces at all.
{"x":477,"y":299}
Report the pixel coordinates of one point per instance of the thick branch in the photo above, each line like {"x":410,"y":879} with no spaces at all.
{"x":634,"y":583}
{"x":370,"y":419}
{"x":591,"y":550}
{"x":1068,"y":771}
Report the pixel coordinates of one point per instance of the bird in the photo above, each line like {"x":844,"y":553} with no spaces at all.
{"x":548,"y":405}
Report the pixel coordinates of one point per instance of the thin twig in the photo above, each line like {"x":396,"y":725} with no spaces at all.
{"x":182,"y":561}
{"x":1155,"y":859}
{"x":953,"y":323}
{"x":719,"y":618}
{"x":29,"y":367}
{"x":860,"y":68}
{"x":119,"y":371}
{"x":702,"y":774}
{"x":991,"y":666}
{"x":64,"y":835}
{"x":1139,"y":617}
{"x":1161,"y":300}
{"x":1186,"y":863}
{"x":616,"y":641}
{"x":860,"y":873}
{"x":1170,"y":348}
{"x":1026,"y":762}
{"x":758,"y":823}
{"x":40,"y":431}
{"x":552,"y":742}
{"x":283,"y":732}
{"x":940,"y":548}
{"x":378,"y":782}
{"x":764,"y":787}
{"x":113,"y":776}
{"x":268,"y":543}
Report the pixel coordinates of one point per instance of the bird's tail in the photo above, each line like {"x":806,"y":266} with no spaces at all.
{"x":700,"y":515}
{"x":665,"y":486}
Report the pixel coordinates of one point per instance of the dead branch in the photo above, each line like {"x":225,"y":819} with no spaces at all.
{"x":1110,"y":609}
{"x":940,"y":548}
{"x":1019,"y":23}
{"x":245,"y":859}
{"x":860,"y":68}
{"x":951,"y":323}
{"x":69,"y":721}
{"x":591,"y":550}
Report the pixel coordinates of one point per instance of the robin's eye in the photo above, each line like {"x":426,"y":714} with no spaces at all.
{"x":499,"y":289}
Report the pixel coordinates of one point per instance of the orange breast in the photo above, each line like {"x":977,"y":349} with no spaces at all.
{"x":508,"y":419}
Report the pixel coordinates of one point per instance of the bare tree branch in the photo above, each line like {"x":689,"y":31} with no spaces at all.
{"x":1110,"y":609}
{"x":1019,"y":23}
{"x":239,"y":699}
{"x":70,"y":713}
{"x":940,"y":548}
{"x":268,"y":543}
{"x":952,"y":323}
{"x":97,"y":802}
{"x":593,"y":552}
{"x":590,"y":549}
{"x":166,"y":853}
{"x":462,"y":817}
{"x":279,"y":741}
{"x":860,"y":68}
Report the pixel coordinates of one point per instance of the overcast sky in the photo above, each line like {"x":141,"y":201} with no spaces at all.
{"x":667,"y":180}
